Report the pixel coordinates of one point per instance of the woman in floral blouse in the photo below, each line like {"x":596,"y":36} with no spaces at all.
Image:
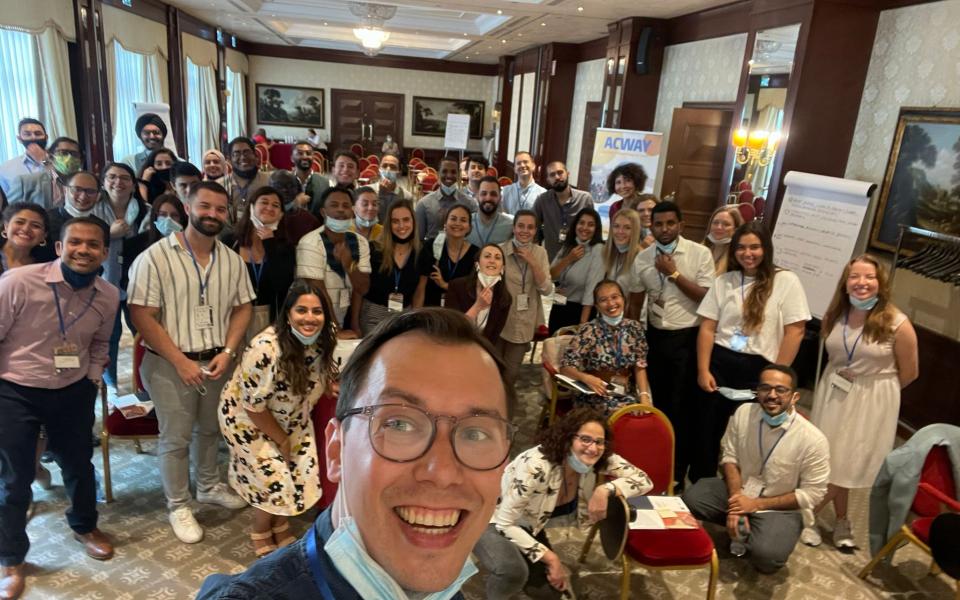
{"x":265,"y":414}
{"x":562,"y":477}
{"x":609,"y":355}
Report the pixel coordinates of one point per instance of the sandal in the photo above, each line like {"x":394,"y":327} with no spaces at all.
{"x":286,"y":540}
{"x":259,"y":537}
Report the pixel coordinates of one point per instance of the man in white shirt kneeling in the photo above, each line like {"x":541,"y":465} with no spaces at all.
{"x":774,"y":462}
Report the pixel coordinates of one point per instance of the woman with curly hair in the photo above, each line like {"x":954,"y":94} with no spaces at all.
{"x":627,"y":180}
{"x":265,"y":414}
{"x":754,"y":314}
{"x":562,"y":477}
{"x":873,"y":355}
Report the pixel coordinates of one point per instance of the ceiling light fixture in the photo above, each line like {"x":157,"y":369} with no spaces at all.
{"x":579,"y":9}
{"x":371,"y":33}
{"x":499,"y":12}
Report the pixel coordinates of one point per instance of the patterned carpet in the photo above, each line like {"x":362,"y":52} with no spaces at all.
{"x":150,"y":564}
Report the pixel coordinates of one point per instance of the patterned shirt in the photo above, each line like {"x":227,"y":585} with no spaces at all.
{"x":594,"y":348}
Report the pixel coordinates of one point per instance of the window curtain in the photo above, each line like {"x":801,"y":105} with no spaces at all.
{"x":34,"y":82}
{"x":236,"y":104}
{"x":132,"y":77}
{"x":203,"y":117}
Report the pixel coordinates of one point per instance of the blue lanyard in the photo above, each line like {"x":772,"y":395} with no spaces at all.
{"x":450,"y":263}
{"x":523,"y":272}
{"x":257,"y":268}
{"x":196,"y":265}
{"x":65,"y":326}
{"x":618,"y":349}
{"x":763,"y":464}
{"x":313,"y":558}
{"x":396,"y":279}
{"x":849,"y":351}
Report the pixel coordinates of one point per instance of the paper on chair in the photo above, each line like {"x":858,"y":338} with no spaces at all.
{"x":647,"y":519}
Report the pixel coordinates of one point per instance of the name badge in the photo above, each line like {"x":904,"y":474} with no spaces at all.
{"x":443,"y":300}
{"x":395,"y":302}
{"x":344,"y":300}
{"x":739,"y":341}
{"x":523,"y":301}
{"x":753,"y":487}
{"x":841,"y":383}
{"x":203,"y":316}
{"x":562,"y":237}
{"x":66,"y":356}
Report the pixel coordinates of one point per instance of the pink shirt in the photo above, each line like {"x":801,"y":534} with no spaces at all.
{"x":30,"y":330}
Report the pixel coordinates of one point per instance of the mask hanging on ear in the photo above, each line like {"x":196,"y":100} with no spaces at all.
{"x":866,"y":304}
{"x":576,"y":464}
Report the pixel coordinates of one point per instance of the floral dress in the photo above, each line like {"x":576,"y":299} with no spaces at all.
{"x":258,"y":472}
{"x":601,"y":347}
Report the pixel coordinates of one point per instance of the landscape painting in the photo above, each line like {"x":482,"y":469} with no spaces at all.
{"x":291,"y":106}
{"x":921,"y":187}
{"x":430,"y":115}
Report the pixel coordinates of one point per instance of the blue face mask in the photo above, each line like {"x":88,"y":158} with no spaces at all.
{"x":367,"y":222}
{"x":306,"y":340}
{"x":448,"y":190}
{"x":622,"y":248}
{"x":388,"y":175}
{"x":867,"y":304}
{"x":775,"y":421}
{"x":669,"y":248}
{"x":166,"y":226}
{"x":77,"y":280}
{"x":614,"y":321}
{"x":348,"y":555}
{"x":337,"y":225}
{"x":577,"y":465}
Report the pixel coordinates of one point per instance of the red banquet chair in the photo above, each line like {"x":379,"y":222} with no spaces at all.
{"x":263,"y":156}
{"x":429,"y":183}
{"x":364,"y":164}
{"x":492,"y":171}
{"x":759,"y":203}
{"x":746,"y":211}
{"x":356,"y":149}
{"x":418,"y":153}
{"x":505,"y":181}
{"x":118,"y":427}
{"x":373,"y":160}
{"x":935,"y":492}
{"x":644,"y":436}
{"x":325,"y":410}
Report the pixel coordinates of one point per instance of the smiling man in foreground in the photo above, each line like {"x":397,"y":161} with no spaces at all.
{"x":418,"y":447}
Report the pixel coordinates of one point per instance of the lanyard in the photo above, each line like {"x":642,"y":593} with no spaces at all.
{"x":203,"y":282}
{"x":849,"y":351}
{"x":257,"y":268}
{"x":523,"y":272}
{"x":618,"y":349}
{"x":313,"y":558}
{"x":65,"y":326}
{"x":396,"y":279}
{"x":450,"y":263}
{"x":742,"y":278}
{"x":618,"y":264}
{"x":763,"y":464}
{"x":486,"y":238}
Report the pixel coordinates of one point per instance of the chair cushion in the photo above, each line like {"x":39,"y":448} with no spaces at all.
{"x":921,"y":528}
{"x":669,"y":547}
{"x":117,"y":424}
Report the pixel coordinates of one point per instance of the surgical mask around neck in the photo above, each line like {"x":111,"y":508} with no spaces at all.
{"x":337,"y":225}
{"x":76,"y":280}
{"x":517,"y":244}
{"x":75,"y":212}
{"x":775,"y":421}
{"x":306,"y":340}
{"x":399,"y":240}
{"x":576,"y":464}
{"x":388,"y":175}
{"x":622,"y":248}
{"x":668,"y":248}
{"x":258,"y":223}
{"x":166,"y":226}
{"x":614,"y":321}
{"x":719,"y":241}
{"x":367,"y":222}
{"x":865,"y":304}
{"x":448,"y":190}
{"x":487,"y":280}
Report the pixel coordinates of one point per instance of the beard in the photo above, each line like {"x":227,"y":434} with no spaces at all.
{"x":208,"y":226}
{"x":247,"y":174}
{"x":304,"y":164}
{"x":559,"y":186}
{"x":489,"y":208}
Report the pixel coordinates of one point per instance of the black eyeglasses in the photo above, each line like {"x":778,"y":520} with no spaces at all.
{"x":586,"y":440}
{"x":764,"y":389}
{"x":403,"y":433}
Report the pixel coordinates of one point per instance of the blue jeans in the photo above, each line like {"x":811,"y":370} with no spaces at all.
{"x":110,"y":374}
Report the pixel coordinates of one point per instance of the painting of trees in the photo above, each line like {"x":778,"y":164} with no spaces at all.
{"x":297,"y":107}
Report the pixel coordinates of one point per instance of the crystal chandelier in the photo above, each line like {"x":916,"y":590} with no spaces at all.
{"x":371,"y":33}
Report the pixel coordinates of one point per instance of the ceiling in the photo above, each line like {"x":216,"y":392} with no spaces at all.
{"x":460,"y":30}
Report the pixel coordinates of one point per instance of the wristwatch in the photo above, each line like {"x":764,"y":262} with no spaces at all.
{"x":674,"y":276}
{"x":229,"y":352}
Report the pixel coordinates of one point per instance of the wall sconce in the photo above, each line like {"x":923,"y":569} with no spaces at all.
{"x":757,"y":146}
{"x":495,"y":113}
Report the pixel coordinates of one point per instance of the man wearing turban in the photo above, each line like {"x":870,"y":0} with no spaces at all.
{"x":152,"y":131}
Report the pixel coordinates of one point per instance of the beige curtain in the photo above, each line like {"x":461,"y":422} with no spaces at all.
{"x":34,"y":16}
{"x":237,"y":105}
{"x":151,"y":86}
{"x":55,"y":92}
{"x":210,"y":128}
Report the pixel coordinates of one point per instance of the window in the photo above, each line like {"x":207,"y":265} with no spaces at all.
{"x":19,"y":87}
{"x":194,"y":112}
{"x":133,"y":84}
{"x":236,"y":104}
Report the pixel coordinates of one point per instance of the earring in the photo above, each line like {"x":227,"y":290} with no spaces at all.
{"x":43,"y":243}
{"x":3,"y":234}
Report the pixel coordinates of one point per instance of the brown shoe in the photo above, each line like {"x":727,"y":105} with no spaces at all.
{"x":96,"y":544}
{"x":11,"y":582}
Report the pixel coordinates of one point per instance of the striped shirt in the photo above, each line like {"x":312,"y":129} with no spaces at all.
{"x":164,"y":277}
{"x":312,"y":263}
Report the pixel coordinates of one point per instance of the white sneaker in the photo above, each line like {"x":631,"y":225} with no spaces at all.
{"x":221,"y":494}
{"x":842,"y":535}
{"x":811,"y":536}
{"x":185,"y":526}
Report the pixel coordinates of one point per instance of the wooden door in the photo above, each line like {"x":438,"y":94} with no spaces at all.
{"x":365,"y":118}
{"x":591,"y":121}
{"x":694,"y":164}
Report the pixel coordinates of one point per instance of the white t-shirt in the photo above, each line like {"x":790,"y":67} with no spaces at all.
{"x":312,"y":264}
{"x":724,"y":304}
{"x":694,"y":262}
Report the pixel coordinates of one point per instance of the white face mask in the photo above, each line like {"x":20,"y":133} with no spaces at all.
{"x":719,"y":241}
{"x":487,"y":280}
{"x":258,"y":223}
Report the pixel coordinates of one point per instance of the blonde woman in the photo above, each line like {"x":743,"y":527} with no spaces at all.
{"x":622,"y":246}
{"x":873,"y":355}
{"x":723,"y":222}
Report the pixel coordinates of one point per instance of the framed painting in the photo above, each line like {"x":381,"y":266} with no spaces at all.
{"x":921,"y":187}
{"x":290,"y":106}
{"x":430,"y":115}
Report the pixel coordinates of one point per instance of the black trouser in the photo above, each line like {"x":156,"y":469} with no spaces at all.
{"x":564,"y":315}
{"x":67,"y":415}
{"x":672,"y":372}
{"x":730,"y":369}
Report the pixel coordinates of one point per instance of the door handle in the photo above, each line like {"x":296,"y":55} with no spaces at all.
{"x":363,"y":130}
{"x":371,"y":131}
{"x":669,"y":167}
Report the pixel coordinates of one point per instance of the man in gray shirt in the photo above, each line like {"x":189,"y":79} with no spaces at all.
{"x":489,"y":225}
{"x":556,"y":208}
{"x":432,"y":208}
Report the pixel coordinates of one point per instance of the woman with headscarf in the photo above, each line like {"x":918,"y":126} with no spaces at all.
{"x":214,"y":165}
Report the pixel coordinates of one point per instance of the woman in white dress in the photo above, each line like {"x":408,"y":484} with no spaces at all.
{"x":265,"y":415}
{"x":723,"y":222}
{"x":873,"y":355}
